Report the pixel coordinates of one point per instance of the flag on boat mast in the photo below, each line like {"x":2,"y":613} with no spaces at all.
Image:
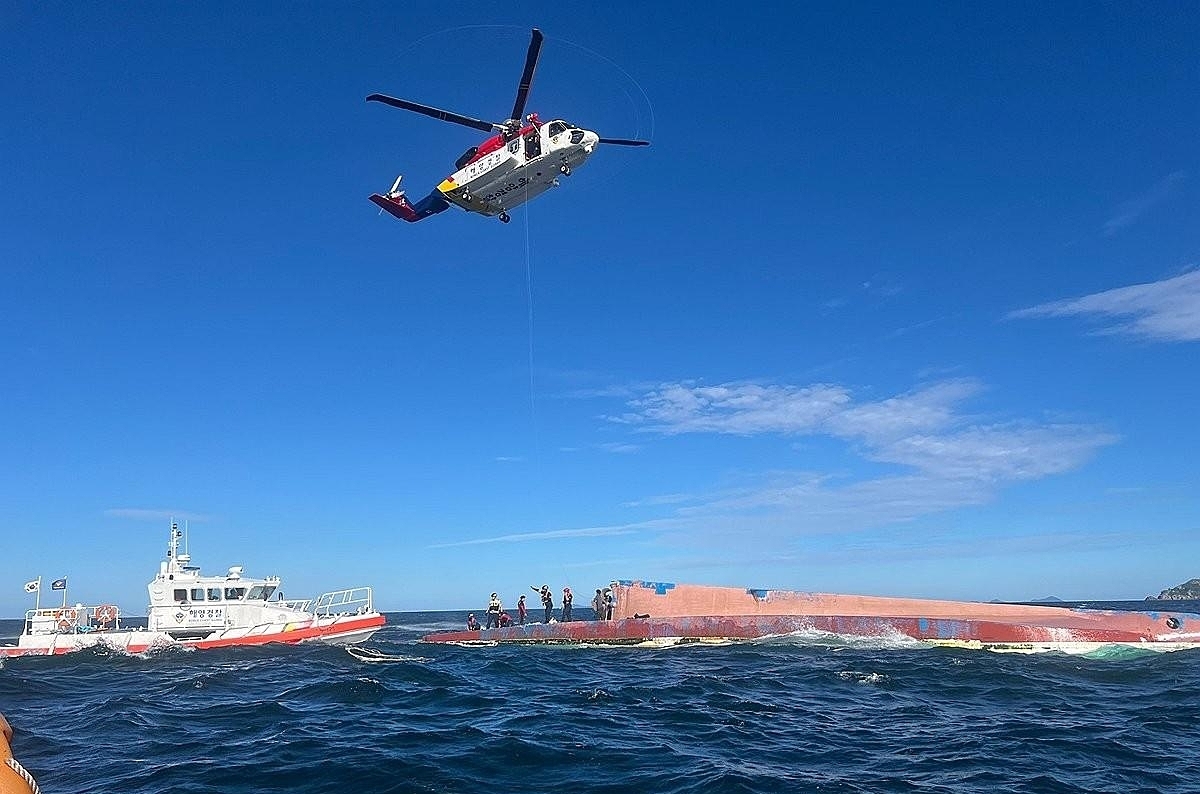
{"x":35,"y":587}
{"x":60,"y":584}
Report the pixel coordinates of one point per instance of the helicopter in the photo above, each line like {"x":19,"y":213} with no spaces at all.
{"x":522,"y":159}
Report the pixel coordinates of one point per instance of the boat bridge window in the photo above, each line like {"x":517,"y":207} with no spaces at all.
{"x":214,"y":594}
{"x":234,"y":593}
{"x":181,"y":595}
{"x":260,"y":592}
{"x":197,"y":593}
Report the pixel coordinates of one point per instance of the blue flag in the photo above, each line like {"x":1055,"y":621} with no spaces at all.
{"x":59,"y":584}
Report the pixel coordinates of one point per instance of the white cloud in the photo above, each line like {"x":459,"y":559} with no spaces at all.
{"x":585,"y":532}
{"x":1130,"y":211}
{"x":1165,"y":311}
{"x":921,"y":455}
{"x":736,"y":408}
{"x":944,"y":459}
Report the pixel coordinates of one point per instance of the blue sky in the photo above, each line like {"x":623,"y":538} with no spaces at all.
{"x":902,"y":300}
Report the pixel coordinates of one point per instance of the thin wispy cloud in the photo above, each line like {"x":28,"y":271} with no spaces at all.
{"x":1129,"y":212}
{"x":144,"y":514}
{"x":921,"y":455}
{"x":554,"y":534}
{"x":940,"y":457}
{"x":1162,"y":311}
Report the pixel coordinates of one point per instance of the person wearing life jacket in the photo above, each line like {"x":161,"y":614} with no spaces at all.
{"x":472,"y":623}
{"x":521,"y":610}
{"x":493,"y":612}
{"x":598,"y":604}
{"x":547,"y":600}
{"x":567,"y":599}
{"x":13,"y":777}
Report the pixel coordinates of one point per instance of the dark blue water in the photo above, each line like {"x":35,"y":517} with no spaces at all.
{"x":820,"y":714}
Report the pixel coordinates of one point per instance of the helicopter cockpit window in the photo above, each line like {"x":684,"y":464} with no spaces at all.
{"x":576,"y":136}
{"x":558,"y":128}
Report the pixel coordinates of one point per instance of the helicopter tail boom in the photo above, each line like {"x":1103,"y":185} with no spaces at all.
{"x":399,"y":207}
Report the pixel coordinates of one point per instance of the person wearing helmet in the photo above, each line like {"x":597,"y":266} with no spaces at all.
{"x":567,"y":599}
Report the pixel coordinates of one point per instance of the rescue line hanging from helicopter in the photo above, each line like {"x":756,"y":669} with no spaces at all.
{"x":524,"y":158}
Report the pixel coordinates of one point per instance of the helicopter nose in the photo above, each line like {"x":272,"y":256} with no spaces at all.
{"x":590,"y":139}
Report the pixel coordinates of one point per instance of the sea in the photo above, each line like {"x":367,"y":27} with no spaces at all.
{"x":803,"y":713}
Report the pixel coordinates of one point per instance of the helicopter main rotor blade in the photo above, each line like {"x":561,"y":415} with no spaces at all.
{"x":624,"y":142}
{"x":531,"y":59}
{"x":432,"y":112}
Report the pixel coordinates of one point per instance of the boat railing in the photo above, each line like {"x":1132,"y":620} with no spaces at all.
{"x":352,"y":601}
{"x":73,"y":619}
{"x":300,"y":605}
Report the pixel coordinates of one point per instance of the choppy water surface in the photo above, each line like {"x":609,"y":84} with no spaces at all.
{"x":802,"y":714}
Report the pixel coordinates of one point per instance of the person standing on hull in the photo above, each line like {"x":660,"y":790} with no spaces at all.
{"x":547,"y":600}
{"x":493,"y":612}
{"x":598,"y":605}
{"x":610,"y":601}
{"x":567,"y":599}
{"x":522,"y":611}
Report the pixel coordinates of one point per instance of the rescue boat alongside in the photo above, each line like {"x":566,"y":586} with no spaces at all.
{"x":664,"y":613}
{"x":188,"y":609}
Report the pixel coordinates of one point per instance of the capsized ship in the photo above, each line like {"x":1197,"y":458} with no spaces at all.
{"x":664,"y":613}
{"x":188,"y":609}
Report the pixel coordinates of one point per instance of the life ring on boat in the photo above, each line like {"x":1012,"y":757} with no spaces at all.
{"x":66,"y":619}
{"x":106,"y":613}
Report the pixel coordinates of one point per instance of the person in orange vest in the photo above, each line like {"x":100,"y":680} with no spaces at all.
{"x":13,"y":777}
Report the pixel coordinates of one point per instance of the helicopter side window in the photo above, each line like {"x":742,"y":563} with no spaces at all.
{"x":533,"y":145}
{"x":557,"y":128}
{"x":514,"y":146}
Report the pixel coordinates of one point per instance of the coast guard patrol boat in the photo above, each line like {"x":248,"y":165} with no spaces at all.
{"x":188,"y":609}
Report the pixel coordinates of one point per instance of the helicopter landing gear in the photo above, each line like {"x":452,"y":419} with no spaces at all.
{"x":504,"y":217}
{"x":564,"y":169}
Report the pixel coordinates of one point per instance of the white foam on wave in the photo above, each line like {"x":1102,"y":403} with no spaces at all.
{"x":372,"y":656}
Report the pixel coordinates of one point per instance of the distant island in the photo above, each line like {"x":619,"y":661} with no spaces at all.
{"x":1180,"y":592}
